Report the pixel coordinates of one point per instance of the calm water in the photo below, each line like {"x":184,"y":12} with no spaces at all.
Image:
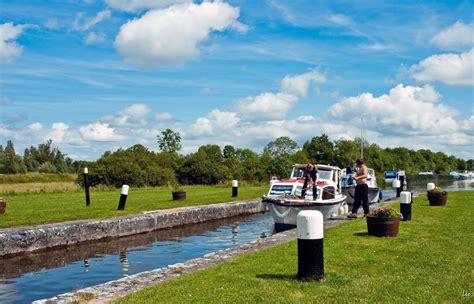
{"x":42,"y":275}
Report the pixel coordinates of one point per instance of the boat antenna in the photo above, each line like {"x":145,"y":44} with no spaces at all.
{"x":362,"y":137}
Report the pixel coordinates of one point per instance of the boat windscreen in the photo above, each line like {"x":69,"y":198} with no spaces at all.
{"x":391,"y":174}
{"x":298,"y":172}
{"x":325,"y":174}
{"x":281,"y":189}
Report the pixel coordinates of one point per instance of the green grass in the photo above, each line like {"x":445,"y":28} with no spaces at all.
{"x":35,"y":177}
{"x":429,"y":262}
{"x":40,"y":208}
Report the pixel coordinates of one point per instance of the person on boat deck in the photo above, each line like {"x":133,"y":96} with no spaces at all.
{"x":350,"y":170}
{"x":310,"y":179}
{"x":361,"y":189}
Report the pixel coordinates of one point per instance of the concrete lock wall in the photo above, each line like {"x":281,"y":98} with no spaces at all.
{"x":17,"y":240}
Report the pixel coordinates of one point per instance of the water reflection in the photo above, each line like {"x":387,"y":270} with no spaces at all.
{"x":42,"y":274}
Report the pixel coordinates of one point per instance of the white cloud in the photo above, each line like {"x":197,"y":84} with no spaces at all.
{"x":9,"y":49}
{"x":457,"y":35}
{"x":87,"y":24}
{"x":452,"y":69}
{"x":298,"y":85}
{"x":99,"y":132}
{"x":136,"y":110}
{"x":163,"y":116}
{"x":35,"y":126}
{"x":52,"y":24}
{"x":266,"y":106}
{"x":136,"y":5}
{"x":172,"y":35}
{"x":95,"y":38}
{"x":405,"y":110}
{"x":339,"y":19}
{"x":215,"y":122}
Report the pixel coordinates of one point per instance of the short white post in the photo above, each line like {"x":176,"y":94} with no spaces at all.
{"x":123,"y":197}
{"x":430,"y":186}
{"x":235,"y":188}
{"x":405,"y":205}
{"x":310,"y":227}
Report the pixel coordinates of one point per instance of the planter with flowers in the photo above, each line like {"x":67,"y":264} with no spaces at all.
{"x":437,"y":197}
{"x":383,"y":222}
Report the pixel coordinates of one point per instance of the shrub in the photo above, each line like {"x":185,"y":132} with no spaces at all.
{"x":384,"y":212}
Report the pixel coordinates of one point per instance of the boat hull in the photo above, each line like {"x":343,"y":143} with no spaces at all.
{"x":374,"y":194}
{"x":284,"y":213}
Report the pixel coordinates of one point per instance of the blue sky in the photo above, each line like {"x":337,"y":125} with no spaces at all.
{"x":99,"y":75}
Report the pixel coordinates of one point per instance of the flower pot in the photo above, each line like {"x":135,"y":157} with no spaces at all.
{"x":383,"y":226}
{"x":438,"y":199}
{"x":3,"y":206}
{"x":179,"y":195}
{"x":429,"y":194}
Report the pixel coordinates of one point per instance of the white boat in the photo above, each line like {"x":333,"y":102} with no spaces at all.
{"x":348,"y":187}
{"x":428,"y":172}
{"x":285,"y":201}
{"x":465,"y":175}
{"x":389,"y":176}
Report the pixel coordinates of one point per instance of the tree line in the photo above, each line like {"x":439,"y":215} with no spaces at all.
{"x":138,"y":166}
{"x":44,"y":158}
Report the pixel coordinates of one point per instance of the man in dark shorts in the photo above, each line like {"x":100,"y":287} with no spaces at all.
{"x":361,"y":190}
{"x":310,"y":179}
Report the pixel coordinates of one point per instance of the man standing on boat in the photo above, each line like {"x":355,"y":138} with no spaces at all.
{"x":310,"y":179}
{"x":361,"y":190}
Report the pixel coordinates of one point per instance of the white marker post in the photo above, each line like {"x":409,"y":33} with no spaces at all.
{"x":235,"y":188}
{"x":123,"y":197}
{"x":405,"y":205}
{"x":310,"y":245}
{"x":86,"y":186}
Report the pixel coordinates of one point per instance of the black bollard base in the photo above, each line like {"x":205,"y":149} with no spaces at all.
{"x":235,"y":191}
{"x":310,"y":260}
{"x":405,"y":210}
{"x":122,"y":201}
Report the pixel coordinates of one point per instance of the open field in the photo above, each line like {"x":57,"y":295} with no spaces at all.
{"x":34,"y":177}
{"x":11,"y":189}
{"x":429,"y":262}
{"x":40,"y":208}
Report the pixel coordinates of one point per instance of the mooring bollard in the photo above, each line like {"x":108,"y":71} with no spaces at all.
{"x":405,"y":205}
{"x":235,"y":188}
{"x":86,"y":186}
{"x":396,"y":185}
{"x":123,"y":197}
{"x":310,"y":245}
{"x":430,"y":186}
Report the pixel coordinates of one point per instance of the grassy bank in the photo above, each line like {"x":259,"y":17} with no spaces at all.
{"x":40,"y":208}
{"x":430,"y":261}
{"x":34,"y":177}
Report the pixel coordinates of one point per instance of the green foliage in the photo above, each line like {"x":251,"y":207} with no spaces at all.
{"x":279,"y":154}
{"x":135,"y":166}
{"x":169,"y":141}
{"x":320,"y":150}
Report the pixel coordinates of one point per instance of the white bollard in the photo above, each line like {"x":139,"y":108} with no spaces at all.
{"x":123,"y":197}
{"x":310,"y":227}
{"x":396,"y":183}
{"x":405,"y":205}
{"x":235,"y":188}
{"x":430,"y":186}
